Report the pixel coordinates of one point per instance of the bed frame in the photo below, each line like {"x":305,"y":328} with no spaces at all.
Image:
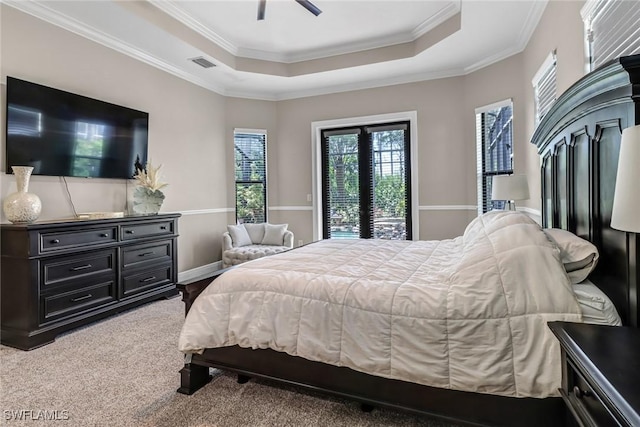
{"x":578,"y":141}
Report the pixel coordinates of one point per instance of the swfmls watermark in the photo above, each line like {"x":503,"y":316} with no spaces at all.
{"x":35,"y":415}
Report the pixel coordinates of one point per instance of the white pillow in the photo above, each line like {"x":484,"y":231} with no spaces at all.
{"x":274,"y":234}
{"x":239,"y":235}
{"x":256,"y":232}
{"x":578,"y":255}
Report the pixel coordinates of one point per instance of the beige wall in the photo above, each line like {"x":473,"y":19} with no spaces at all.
{"x":443,"y":178}
{"x":191,"y":129}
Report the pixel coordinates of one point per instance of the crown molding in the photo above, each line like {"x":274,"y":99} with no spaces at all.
{"x":40,"y":11}
{"x":171,"y":8}
{"x":176,"y":12}
{"x":533,"y":18}
{"x":322,"y":53}
{"x":370,"y":84}
{"x":438,"y":18}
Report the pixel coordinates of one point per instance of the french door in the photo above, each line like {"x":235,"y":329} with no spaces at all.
{"x":366,"y":182}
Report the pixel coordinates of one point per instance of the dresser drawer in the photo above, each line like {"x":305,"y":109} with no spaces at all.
{"x":83,"y":267}
{"x":139,"y":231}
{"x":148,"y":279}
{"x":73,"y":302}
{"x":55,"y":241}
{"x":141,"y":255}
{"x":584,"y":402}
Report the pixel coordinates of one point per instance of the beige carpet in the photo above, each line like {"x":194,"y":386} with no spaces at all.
{"x":124,"y":372}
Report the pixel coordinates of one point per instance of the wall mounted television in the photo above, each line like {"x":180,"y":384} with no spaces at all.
{"x":64,"y":134}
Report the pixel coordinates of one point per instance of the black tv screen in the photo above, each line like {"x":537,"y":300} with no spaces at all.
{"x":64,"y":134}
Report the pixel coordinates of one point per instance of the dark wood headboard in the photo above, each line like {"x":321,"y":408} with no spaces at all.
{"x":579,"y":142}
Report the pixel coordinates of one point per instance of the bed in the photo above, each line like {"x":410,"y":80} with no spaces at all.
{"x":578,"y":142}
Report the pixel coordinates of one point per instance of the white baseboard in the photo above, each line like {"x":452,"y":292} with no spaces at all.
{"x":186,"y":275}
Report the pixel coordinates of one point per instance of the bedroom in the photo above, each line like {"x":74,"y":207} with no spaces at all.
{"x":184,"y":115}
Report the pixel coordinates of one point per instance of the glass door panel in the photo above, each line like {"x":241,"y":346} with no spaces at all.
{"x":366,"y":182}
{"x":389,"y":189}
{"x":344,"y":186}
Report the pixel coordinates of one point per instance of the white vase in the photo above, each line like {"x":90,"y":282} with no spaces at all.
{"x":22,"y":207}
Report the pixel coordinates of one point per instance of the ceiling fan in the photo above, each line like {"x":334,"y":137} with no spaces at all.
{"x":304,"y":3}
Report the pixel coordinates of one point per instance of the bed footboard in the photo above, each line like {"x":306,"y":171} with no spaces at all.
{"x":192,"y":376}
{"x":194,"y":287}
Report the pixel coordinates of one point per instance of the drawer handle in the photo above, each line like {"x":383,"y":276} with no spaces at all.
{"x":129,"y":231}
{"x":163,"y":227}
{"x":146,"y":253}
{"x":82,"y":298}
{"x":579,"y":393}
{"x":81,"y":267}
{"x":54,"y":241}
{"x":148,"y":279}
{"x":104,"y":235}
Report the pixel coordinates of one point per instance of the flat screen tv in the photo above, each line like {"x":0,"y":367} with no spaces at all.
{"x":64,"y":134}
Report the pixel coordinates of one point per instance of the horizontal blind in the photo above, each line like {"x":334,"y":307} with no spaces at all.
{"x":494,"y":133}
{"x":612,"y":29}
{"x":251,"y":176}
{"x":544,"y":86}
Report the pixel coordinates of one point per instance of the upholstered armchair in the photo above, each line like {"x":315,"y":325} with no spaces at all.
{"x":245,"y":242}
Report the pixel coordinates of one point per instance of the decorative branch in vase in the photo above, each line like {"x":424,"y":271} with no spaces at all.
{"x":147,"y":197}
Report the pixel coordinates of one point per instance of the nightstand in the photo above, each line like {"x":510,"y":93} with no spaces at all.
{"x":600,"y":373}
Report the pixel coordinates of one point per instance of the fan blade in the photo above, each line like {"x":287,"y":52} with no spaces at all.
{"x":262,"y":5}
{"x":309,"y":6}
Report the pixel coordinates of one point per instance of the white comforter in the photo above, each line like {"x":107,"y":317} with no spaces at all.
{"x":467,"y":314}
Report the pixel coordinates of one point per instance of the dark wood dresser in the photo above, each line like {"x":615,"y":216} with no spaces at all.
{"x":600,"y":373}
{"x":58,"y":275}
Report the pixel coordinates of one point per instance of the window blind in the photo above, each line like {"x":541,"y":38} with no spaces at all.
{"x":494,"y":142}
{"x":250,"y":151}
{"x":544,"y":87}
{"x":611,"y":29}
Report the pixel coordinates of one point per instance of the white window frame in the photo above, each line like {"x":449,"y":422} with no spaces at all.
{"x":479,"y":148}
{"x":316,"y":153}
{"x":266,"y":170}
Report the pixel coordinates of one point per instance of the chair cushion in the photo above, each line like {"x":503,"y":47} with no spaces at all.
{"x":274,"y":234}
{"x":242,"y":254}
{"x":239,"y":235}
{"x":256,"y":232}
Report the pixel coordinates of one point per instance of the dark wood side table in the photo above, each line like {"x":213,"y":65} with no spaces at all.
{"x":600,"y":373}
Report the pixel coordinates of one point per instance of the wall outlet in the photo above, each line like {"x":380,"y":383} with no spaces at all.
{"x":300,"y":243}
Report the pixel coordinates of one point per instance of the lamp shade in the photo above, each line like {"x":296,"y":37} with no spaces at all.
{"x":509,"y":187}
{"x":626,"y":198}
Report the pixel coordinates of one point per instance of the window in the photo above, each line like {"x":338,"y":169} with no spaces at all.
{"x":366,"y":182}
{"x":611,"y":30}
{"x":251,"y":175}
{"x":544,"y":86}
{"x":494,"y":142}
